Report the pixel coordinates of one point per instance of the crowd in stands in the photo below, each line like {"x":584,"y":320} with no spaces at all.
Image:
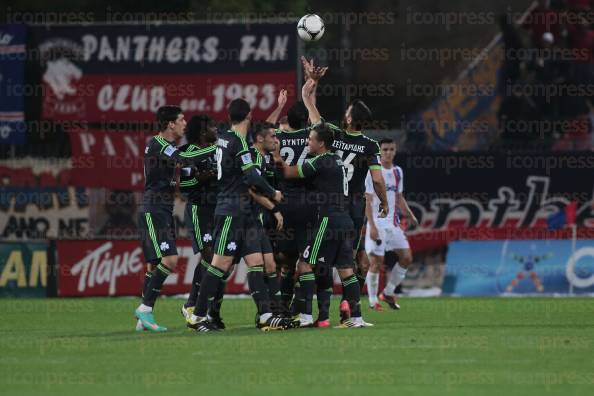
{"x":548,"y":78}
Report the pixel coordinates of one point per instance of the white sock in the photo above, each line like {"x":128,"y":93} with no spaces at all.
{"x":305,"y":317}
{"x":357,"y":319}
{"x":372,"y":281}
{"x":264,"y":317}
{"x":396,"y":277}
{"x":145,"y":308}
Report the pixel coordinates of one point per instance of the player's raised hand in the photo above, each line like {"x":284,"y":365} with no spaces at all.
{"x":282,"y":98}
{"x":383,"y":210}
{"x":318,"y":73}
{"x":308,"y":67}
{"x":308,"y":88}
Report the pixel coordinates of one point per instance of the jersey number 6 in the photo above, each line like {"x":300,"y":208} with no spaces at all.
{"x":347,"y":163}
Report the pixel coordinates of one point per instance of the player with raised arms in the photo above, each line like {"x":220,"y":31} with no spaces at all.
{"x":331,"y":244}
{"x":360,"y":155}
{"x":236,"y":232}
{"x":296,"y":209}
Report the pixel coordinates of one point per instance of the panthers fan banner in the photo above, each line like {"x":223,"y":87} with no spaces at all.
{"x":106,"y":74}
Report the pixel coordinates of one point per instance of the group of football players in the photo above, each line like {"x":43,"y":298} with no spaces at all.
{"x":292,"y":205}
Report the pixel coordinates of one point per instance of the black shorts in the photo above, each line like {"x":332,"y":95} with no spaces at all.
{"x":266,"y":232}
{"x":237,"y":236}
{"x":157,"y":233}
{"x":298,"y":220}
{"x":357,"y":213}
{"x":199,"y":220}
{"x":331,"y":243}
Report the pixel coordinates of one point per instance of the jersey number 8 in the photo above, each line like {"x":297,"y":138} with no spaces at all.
{"x":219,"y":158}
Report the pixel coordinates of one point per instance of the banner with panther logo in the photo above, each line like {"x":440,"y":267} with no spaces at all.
{"x":110,"y":74}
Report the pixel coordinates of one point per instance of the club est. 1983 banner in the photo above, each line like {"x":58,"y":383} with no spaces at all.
{"x":103,"y":73}
{"x":519,"y":267}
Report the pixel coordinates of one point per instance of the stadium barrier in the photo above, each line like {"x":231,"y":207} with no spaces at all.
{"x":520,"y":267}
{"x":24,"y":269}
{"x":473,"y":268}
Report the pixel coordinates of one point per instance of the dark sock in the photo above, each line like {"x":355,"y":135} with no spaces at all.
{"x":307,"y":281}
{"x":154,"y":286}
{"x":258,"y":289}
{"x":214,"y":309}
{"x":350,"y":287}
{"x":298,"y":301}
{"x":196,"y":279}
{"x":324,"y":292}
{"x":287,"y":289}
{"x":211,"y":279}
{"x":274,"y":293}
{"x":147,"y":280}
{"x":361,"y":279}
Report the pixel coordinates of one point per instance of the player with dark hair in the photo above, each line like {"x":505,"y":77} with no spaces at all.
{"x":236,"y":231}
{"x":384,"y":234}
{"x":359,"y":155}
{"x":290,"y":242}
{"x":296,"y":210}
{"x":200,"y":192}
{"x":265,"y":142}
{"x":283,"y":123}
{"x":331,"y":244}
{"x":155,"y":218}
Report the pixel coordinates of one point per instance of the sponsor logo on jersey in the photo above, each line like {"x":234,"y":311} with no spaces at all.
{"x":246,"y":158}
{"x":169,"y":150}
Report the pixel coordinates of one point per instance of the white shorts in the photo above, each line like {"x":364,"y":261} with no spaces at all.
{"x":390,"y":238}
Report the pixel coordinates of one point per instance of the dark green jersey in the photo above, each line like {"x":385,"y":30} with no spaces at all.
{"x":265,"y":167}
{"x":236,"y":172}
{"x":359,"y":154}
{"x":200,"y":190}
{"x":330,"y":183}
{"x":161,"y":159}
{"x":294,"y":151}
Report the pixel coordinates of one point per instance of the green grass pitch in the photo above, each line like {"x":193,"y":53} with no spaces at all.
{"x":438,"y":346}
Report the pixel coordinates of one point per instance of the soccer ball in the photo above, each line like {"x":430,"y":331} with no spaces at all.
{"x":310,"y":27}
